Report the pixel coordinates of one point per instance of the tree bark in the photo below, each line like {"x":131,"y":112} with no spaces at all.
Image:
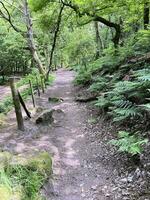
{"x":99,"y":45}
{"x":30,"y":38}
{"x":55,"y":39}
{"x":146,"y":15}
{"x":17,"y":105}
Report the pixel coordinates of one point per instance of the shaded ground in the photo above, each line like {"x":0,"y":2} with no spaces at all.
{"x":4,"y":91}
{"x":84,"y":165}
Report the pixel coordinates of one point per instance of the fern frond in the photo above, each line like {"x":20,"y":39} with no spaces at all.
{"x":120,"y":114}
{"x":102,"y":102}
{"x":123,"y":87}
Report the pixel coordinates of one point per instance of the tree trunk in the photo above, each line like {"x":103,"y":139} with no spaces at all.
{"x":30,"y":38}
{"x":99,"y":44}
{"x":146,"y":15}
{"x":55,"y":39}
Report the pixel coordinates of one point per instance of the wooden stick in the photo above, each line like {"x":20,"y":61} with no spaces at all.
{"x":16,"y":105}
{"x":32,"y":93}
{"x":42,"y":84}
{"x":24,"y":105}
{"x":37,"y":82}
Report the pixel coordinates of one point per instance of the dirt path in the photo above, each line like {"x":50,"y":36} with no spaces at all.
{"x":4,"y":91}
{"x":80,"y":171}
{"x":77,"y":173}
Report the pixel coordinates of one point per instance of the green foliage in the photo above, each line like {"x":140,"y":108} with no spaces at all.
{"x":130,"y":143}
{"x":83,"y":77}
{"x":38,"y":4}
{"x":143,"y":39}
{"x":29,"y":181}
{"x":123,"y":98}
{"x":6,"y":104}
{"x":23,"y":177}
{"x":98,"y":84}
{"x":12,"y":51}
{"x":102,"y":102}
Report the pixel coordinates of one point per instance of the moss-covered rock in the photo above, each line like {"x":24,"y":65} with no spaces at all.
{"x":55,"y":99}
{"x":46,"y":117}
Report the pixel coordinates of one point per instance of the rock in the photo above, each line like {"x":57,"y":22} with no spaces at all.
{"x":130,"y":179}
{"x":107,"y":195}
{"x":55,"y":99}
{"x":48,"y":116}
{"x":45,"y":117}
{"x":86,"y":96}
{"x":137,"y":173}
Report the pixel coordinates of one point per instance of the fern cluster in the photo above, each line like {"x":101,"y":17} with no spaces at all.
{"x":122,"y":85}
{"x":130,"y":143}
{"x":127,"y":99}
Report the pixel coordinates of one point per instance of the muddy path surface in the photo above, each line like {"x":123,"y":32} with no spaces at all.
{"x":81,"y":170}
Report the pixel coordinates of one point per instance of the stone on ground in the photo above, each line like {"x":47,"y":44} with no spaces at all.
{"x":55,"y":99}
{"x":48,"y":116}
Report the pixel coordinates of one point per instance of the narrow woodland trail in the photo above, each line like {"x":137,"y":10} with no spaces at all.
{"x":81,"y":170}
{"x":78,"y":174}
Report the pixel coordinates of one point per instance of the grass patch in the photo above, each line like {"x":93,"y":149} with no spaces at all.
{"x":23,"y":178}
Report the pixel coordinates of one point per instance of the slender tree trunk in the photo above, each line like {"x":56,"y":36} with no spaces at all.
{"x":146,"y":14}
{"x":55,"y":39}
{"x":30,"y":38}
{"x":99,"y":44}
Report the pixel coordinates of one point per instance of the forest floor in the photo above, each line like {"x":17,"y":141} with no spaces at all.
{"x":84,"y":165}
{"x":4,"y":91}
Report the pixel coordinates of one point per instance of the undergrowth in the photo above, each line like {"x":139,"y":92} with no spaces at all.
{"x":22,"y":180}
{"x":122,"y":88}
